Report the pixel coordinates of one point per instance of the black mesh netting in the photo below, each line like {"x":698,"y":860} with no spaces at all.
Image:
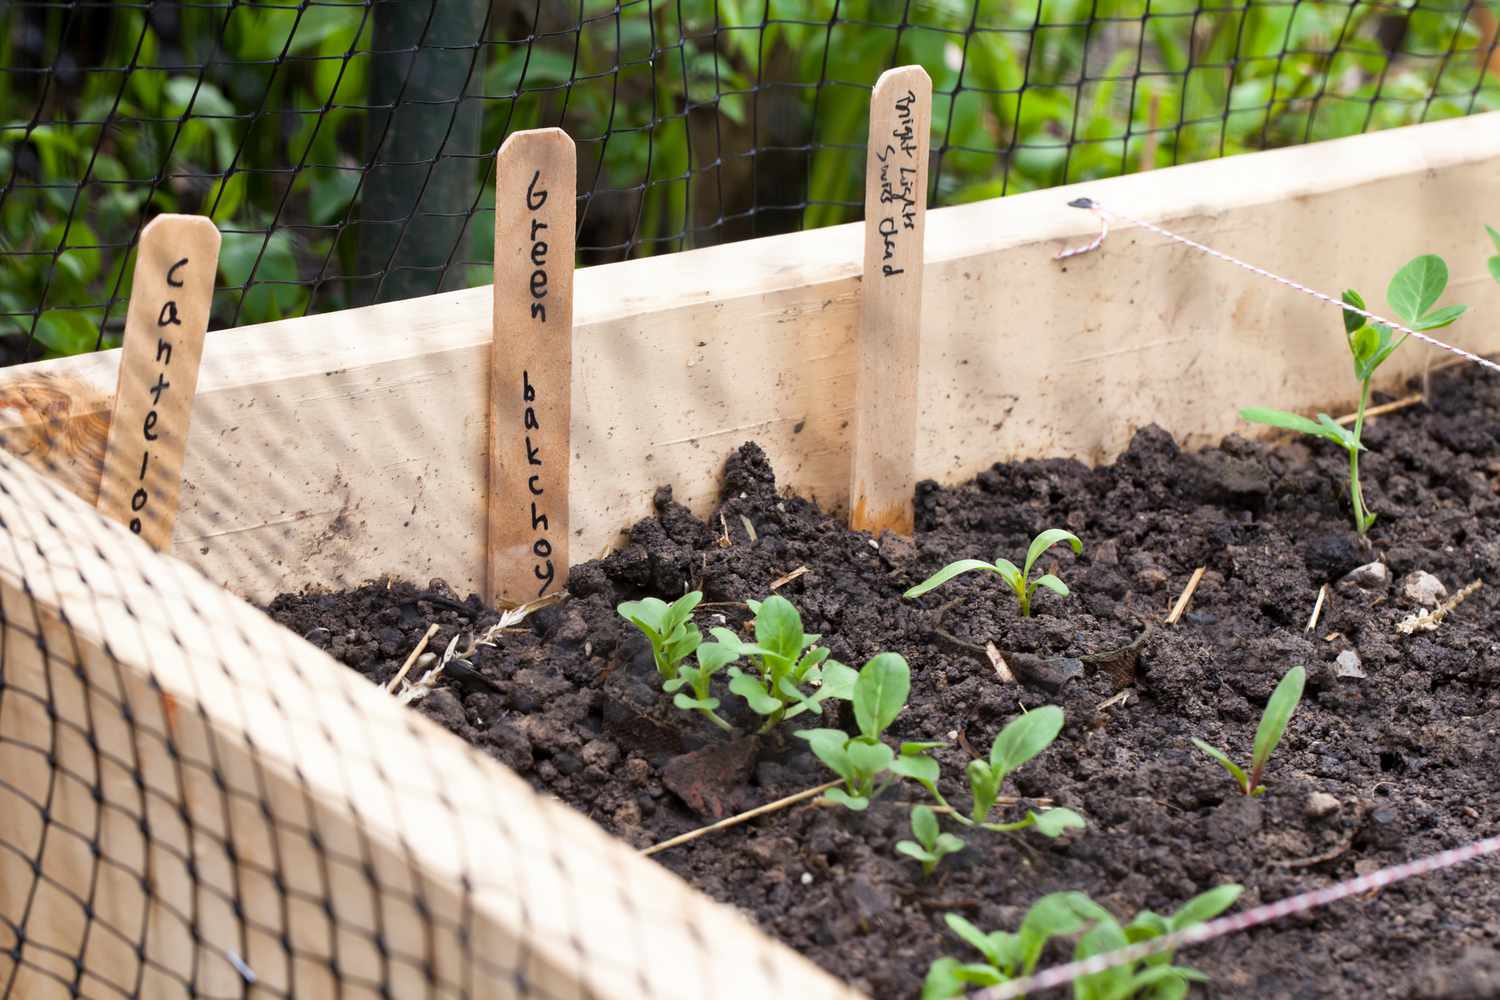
{"x":345,"y":148}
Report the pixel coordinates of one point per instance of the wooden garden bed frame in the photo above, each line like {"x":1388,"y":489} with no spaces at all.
{"x":329,"y":450}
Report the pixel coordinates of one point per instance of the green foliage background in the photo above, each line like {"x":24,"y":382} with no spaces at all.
{"x":697,"y":121}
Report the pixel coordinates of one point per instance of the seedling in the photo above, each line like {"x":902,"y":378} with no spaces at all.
{"x":1019,"y":579}
{"x":668,"y":627}
{"x":1272,"y":724}
{"x":1061,"y":914}
{"x":1412,"y":294}
{"x":931,"y":845}
{"x":1494,"y":262}
{"x":792,"y":675}
{"x":1021,"y":740}
{"x":879,"y":695}
{"x":712,"y":657}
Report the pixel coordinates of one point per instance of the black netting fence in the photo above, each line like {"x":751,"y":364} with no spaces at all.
{"x":344,"y":147}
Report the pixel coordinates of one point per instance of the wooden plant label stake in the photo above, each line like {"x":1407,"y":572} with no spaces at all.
{"x":531,"y":363}
{"x":170,"y":297}
{"x":885,"y":376}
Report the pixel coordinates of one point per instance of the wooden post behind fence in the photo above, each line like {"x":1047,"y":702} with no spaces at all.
{"x":170,"y":298}
{"x":531,"y":364}
{"x":883,"y":475}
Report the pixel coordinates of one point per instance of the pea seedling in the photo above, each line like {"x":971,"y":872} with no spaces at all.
{"x":879,"y":695}
{"x":1019,"y":579}
{"x":786,"y":662}
{"x":712,"y":657}
{"x":1273,"y":723}
{"x":1061,"y":914}
{"x":1412,"y":294}
{"x":668,"y":627}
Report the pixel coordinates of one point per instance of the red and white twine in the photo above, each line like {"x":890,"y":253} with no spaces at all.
{"x":1104,"y":215}
{"x":1234,"y":923}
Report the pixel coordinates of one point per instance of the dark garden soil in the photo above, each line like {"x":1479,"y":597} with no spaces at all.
{"x":1392,"y":755}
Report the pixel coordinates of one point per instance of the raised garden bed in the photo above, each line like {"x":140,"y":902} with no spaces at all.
{"x":1389,"y":756}
{"x":197,"y":787}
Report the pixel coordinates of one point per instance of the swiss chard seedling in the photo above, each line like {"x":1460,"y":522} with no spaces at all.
{"x":791,"y":675}
{"x":932,"y":845}
{"x":1021,"y":740}
{"x":1008,"y":956}
{"x":1020,"y":580}
{"x":668,"y":627}
{"x":712,"y":657}
{"x":1413,"y":295}
{"x":1272,"y":724}
{"x":879,"y":695}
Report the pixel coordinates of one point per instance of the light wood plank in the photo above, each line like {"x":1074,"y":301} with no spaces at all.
{"x":298,"y":817}
{"x":342,"y":447}
{"x":882,"y":472}
{"x":171,"y":294}
{"x":531,"y":365}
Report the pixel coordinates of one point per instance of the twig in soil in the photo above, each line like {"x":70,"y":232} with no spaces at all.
{"x":1002,"y":669}
{"x":782,"y":581}
{"x":1317,"y":859}
{"x":968,"y":647}
{"x":963,"y":741}
{"x":1391,"y":407}
{"x":743,"y":817}
{"x":423,"y":687}
{"x":1118,"y":699}
{"x":724,"y":540}
{"x":411,"y":659}
{"x":949,"y":904}
{"x":1431,"y":620}
{"x":1187,"y":595}
{"x":440,"y":601}
{"x":749,"y":528}
{"x":1312,"y":622}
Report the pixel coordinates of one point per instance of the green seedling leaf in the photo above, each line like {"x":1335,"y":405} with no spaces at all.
{"x":923,"y":770}
{"x":880,"y":693}
{"x":1334,"y":431}
{"x":778,"y":628}
{"x":836,"y":681}
{"x":1288,"y":421}
{"x":1417,"y":286}
{"x":947,"y":573}
{"x":706,"y":704}
{"x":1009,"y":573}
{"x":1205,"y":906}
{"x":948,"y":978}
{"x":1025,"y":737}
{"x":869,"y":759}
{"x":754,"y":693}
{"x":1494,"y":236}
{"x":984,"y":787}
{"x":1054,"y":822}
{"x":1273,"y":722}
{"x":924,"y":826}
{"x":1439,"y":318}
{"x":998,"y":948}
{"x":1352,"y":320}
{"x":1041,"y":543}
{"x":854,"y":803}
{"x":1235,"y":771}
{"x":1053,"y":584}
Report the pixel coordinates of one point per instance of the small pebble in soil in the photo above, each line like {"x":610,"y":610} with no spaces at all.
{"x":1321,"y":805}
{"x":1424,"y":588}
{"x":1370,"y":576}
{"x":806,"y":878}
{"x":1349,"y":665}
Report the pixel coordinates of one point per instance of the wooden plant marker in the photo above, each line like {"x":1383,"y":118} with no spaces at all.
{"x":531,"y":365}
{"x":170,"y":297}
{"x":882,"y":475}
